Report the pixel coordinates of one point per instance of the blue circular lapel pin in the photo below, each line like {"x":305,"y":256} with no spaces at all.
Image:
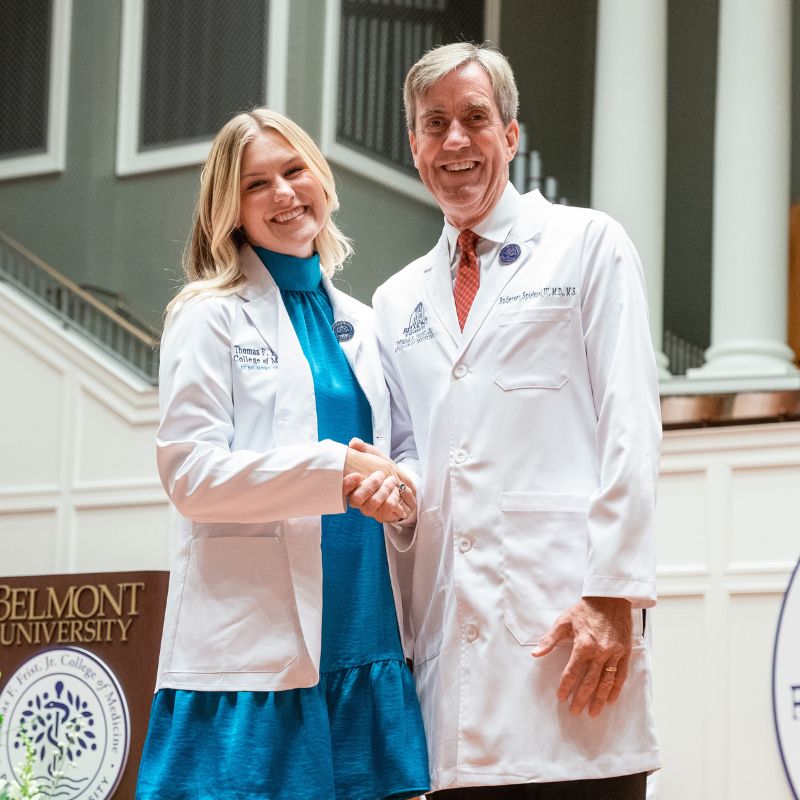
{"x":510,"y":253}
{"x":343,"y":330}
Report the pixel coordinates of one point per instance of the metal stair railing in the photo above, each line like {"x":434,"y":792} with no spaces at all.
{"x":78,"y":309}
{"x":682,"y":355}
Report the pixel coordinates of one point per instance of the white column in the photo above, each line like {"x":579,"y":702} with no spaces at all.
{"x":629,"y":146}
{"x":751,"y":193}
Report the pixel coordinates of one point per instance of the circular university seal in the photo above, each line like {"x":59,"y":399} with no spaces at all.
{"x":786,"y":682}
{"x":510,"y":253}
{"x":343,"y":330}
{"x":69,"y":705}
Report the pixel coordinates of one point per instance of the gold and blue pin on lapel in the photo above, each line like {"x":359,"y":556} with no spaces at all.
{"x":510,"y":253}
{"x":343,"y":330}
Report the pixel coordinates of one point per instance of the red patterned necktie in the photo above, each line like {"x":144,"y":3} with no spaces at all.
{"x":468,"y":277}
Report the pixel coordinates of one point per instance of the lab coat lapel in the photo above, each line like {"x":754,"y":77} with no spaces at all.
{"x":525,"y":233}
{"x":295,"y":419}
{"x":439,"y":288}
{"x":348,"y":310}
{"x":485,"y":300}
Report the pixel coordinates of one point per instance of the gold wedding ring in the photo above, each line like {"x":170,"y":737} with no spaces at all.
{"x":611,"y":669}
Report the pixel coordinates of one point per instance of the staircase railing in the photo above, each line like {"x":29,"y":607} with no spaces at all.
{"x":78,"y":309}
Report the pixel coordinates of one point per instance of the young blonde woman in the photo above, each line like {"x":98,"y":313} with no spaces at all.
{"x":281,"y":673}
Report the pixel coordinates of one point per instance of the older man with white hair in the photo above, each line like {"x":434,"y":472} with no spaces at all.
{"x":525,"y":393}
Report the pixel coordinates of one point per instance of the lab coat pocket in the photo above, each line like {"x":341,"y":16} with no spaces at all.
{"x":428,"y":586}
{"x":532,"y":348}
{"x":237,"y":611}
{"x":544,"y":558}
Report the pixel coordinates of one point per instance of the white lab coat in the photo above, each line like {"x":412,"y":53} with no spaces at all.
{"x":239,"y":458}
{"x":537,"y":432}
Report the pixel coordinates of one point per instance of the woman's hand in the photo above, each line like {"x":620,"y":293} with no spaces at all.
{"x":366,"y":462}
{"x":385,"y":496}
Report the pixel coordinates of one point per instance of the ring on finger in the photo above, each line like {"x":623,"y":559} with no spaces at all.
{"x":401,"y":487}
{"x":610,"y":669}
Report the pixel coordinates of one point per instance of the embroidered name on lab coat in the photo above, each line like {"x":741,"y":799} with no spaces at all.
{"x":535,"y":294}
{"x":416,"y":331}
{"x":255,"y":359}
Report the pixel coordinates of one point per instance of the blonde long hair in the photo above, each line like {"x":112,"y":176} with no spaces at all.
{"x":211,"y":256}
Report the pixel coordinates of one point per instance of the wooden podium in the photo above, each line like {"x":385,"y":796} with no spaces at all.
{"x":78,"y":660}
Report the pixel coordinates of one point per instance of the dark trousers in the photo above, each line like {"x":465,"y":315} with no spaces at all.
{"x":625,"y":787}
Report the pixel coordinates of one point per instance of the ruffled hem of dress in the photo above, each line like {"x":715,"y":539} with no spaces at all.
{"x":378,"y":702}
{"x":360,"y":726}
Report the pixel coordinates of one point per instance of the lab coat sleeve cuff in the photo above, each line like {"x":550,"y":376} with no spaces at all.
{"x":402,"y":535}
{"x":641,"y":594}
{"x":337,"y":452}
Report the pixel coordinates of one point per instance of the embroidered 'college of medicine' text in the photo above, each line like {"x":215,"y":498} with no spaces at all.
{"x":417,"y":330}
{"x":255,"y":359}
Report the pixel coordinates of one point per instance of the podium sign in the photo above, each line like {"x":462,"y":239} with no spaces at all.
{"x":786,"y":682}
{"x":78,"y":659}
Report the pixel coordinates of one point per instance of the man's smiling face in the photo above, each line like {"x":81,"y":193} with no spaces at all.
{"x":460,"y":145}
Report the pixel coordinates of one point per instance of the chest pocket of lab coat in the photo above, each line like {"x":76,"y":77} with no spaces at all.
{"x":237,"y":610}
{"x":545,"y":547}
{"x":532,"y":348}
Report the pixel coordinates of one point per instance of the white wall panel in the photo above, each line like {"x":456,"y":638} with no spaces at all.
{"x":714,"y":628}
{"x":79,"y":490}
{"x":764,"y":518}
{"x":681,"y":514}
{"x":754,"y":766}
{"x":29,"y":543}
{"x":32,"y":409}
{"x":122,"y":538}
{"x":680,"y":663}
{"x":108,"y":447}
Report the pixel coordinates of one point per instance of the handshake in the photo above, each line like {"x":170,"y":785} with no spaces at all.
{"x":374,"y":484}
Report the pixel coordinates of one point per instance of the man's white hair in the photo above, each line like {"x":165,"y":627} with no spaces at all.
{"x":440,"y":61}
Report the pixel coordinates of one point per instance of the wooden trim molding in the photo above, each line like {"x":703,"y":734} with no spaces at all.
{"x":740,"y":408}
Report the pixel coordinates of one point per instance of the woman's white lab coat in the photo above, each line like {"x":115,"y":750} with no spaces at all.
{"x":239,"y":458}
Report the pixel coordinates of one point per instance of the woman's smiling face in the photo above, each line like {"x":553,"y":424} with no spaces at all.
{"x":282,"y":206}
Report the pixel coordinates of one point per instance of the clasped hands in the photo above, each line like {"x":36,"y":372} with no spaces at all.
{"x":374,"y":484}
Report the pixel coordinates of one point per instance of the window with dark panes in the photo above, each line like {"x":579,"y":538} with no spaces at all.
{"x":379,"y":41}
{"x":25,"y":31}
{"x":202,"y":62}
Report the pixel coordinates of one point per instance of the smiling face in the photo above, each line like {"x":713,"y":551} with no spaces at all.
{"x":461,"y":146}
{"x":282,"y":206}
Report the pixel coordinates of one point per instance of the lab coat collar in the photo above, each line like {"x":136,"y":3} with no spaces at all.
{"x":439,"y":287}
{"x":496,"y":226}
{"x":259,"y":281}
{"x":265,"y":309}
{"x":348,"y":309}
{"x":530,"y":213}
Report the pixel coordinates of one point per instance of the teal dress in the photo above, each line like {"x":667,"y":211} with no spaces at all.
{"x":357,"y":734}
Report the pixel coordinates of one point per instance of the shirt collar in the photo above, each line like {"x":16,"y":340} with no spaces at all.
{"x":496,"y":226}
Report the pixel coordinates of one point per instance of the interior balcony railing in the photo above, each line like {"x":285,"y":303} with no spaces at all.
{"x":76,"y":308}
{"x":682,"y":355}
